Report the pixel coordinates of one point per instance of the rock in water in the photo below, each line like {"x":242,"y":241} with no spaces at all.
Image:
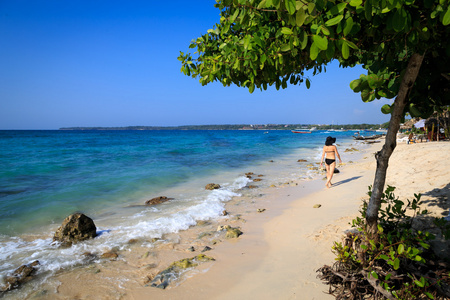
{"x":212,"y":186}
{"x":19,"y":276}
{"x":157,"y":200}
{"x":76,"y":227}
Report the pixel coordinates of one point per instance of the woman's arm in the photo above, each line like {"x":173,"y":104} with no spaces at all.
{"x":323,"y":154}
{"x":337,"y":154}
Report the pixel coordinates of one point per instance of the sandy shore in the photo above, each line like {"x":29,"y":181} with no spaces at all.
{"x":281,"y":248}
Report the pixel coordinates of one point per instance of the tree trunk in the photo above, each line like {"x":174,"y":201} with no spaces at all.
{"x":382,"y":156}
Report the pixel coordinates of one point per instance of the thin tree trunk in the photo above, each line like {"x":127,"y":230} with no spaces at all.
{"x":382,"y":156}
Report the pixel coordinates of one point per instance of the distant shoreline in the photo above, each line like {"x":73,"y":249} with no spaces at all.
{"x":239,"y":127}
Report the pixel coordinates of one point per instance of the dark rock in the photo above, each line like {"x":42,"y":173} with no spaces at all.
{"x":336,"y":171}
{"x":249,"y":173}
{"x":207,"y":248}
{"x":260,"y":210}
{"x":21,"y":275}
{"x":157,"y":200}
{"x":302,"y":160}
{"x":212,"y":186}
{"x":257,"y":179}
{"x":191,"y":249}
{"x":76,"y":227}
{"x":252,"y":186}
{"x":224,"y":213}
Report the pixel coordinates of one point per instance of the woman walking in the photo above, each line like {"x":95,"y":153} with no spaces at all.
{"x":330,"y":152}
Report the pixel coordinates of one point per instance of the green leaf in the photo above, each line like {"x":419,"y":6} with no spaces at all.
{"x":285,"y":47}
{"x":399,"y":21}
{"x":384,"y":256}
{"x":300,"y":17}
{"x":290,"y":6}
{"x":401,"y":249}
{"x":234,"y":16}
{"x":334,"y":21}
{"x":313,"y":51}
{"x":303,"y":40}
{"x":446,"y":19}
{"x":368,"y":10}
{"x":355,"y":84}
{"x":324,"y":30}
{"x":418,"y":283}
{"x":308,"y":83}
{"x":355,"y":3}
{"x":286,"y":30}
{"x":429,"y":295}
{"x":321,"y":42}
{"x":348,"y":26}
{"x":373,"y":274}
{"x":262,"y":4}
{"x":337,"y":9}
{"x":374,"y":81}
{"x":345,"y":51}
{"x":396,"y":264}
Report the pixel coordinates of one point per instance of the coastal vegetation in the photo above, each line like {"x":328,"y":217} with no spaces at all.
{"x":240,"y":127}
{"x":402,"y":45}
{"x":400,"y":263}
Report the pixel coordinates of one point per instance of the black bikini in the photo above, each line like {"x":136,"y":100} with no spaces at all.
{"x":329,"y":161}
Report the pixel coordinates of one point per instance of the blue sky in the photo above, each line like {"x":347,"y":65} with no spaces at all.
{"x":114,"y":63}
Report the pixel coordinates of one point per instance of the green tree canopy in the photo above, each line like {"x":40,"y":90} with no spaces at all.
{"x":273,"y":42}
{"x":403,"y":45}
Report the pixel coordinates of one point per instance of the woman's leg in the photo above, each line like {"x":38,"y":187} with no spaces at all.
{"x":331,"y":167}
{"x":327,"y":167}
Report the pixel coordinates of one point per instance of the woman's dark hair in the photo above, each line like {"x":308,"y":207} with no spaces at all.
{"x":330,"y":141}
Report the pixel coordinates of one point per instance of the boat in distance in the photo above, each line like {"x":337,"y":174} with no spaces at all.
{"x":301,"y":131}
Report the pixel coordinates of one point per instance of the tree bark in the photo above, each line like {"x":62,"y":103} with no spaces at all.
{"x":382,"y":157}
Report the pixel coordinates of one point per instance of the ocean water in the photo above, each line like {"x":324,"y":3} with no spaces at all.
{"x":108,"y":175}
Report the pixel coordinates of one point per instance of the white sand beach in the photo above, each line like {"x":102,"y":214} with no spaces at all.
{"x":281,"y":249}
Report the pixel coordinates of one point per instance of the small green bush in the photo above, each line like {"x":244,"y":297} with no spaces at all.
{"x":397,"y":264}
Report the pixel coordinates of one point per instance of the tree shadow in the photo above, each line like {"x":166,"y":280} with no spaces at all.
{"x":439,"y":197}
{"x":346,"y":180}
{"x":436,"y":198}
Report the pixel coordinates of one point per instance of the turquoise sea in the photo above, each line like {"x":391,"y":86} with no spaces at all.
{"x":108,"y":175}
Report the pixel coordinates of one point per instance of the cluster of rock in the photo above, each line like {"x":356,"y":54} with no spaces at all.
{"x":78,"y":227}
{"x":21,"y":275}
{"x":174,"y":271}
